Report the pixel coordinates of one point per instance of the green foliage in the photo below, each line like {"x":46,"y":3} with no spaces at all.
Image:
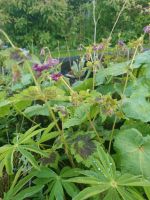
{"x":44,"y":23}
{"x":22,"y":146}
{"x":134,"y":154}
{"x":56,"y":183}
{"x":16,"y":190}
{"x":86,"y":138}
{"x":104,"y":178}
{"x":35,"y":22}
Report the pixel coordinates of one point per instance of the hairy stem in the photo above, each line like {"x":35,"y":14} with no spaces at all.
{"x":8,"y":39}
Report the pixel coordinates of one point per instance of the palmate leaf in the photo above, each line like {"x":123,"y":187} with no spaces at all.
{"x":91,"y":191}
{"x":114,"y":69}
{"x":57,"y":183}
{"x":28,"y":192}
{"x":23,"y":144}
{"x":83,"y":85}
{"x":29,"y":134}
{"x":29,"y":157}
{"x":137,"y":108}
{"x":136,"y":104}
{"x":16,"y":190}
{"x":112,"y":194}
{"x":5,"y":106}
{"x":105,"y":179}
{"x":134,"y":153}
{"x":142,"y":127}
{"x":36,"y":110}
{"x":79,"y":116}
{"x":71,"y":189}
{"x":147,"y":192}
{"x":143,"y":58}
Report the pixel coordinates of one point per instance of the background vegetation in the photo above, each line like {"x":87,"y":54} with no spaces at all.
{"x":38,"y":23}
{"x":76,"y":129}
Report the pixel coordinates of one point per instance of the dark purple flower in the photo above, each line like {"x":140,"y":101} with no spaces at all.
{"x":121,"y":43}
{"x":98,"y":47}
{"x":41,"y":67}
{"x":147,"y":29}
{"x":56,"y":76}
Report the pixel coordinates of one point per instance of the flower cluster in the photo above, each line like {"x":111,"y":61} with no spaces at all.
{"x":41,"y":67}
{"x":147,"y":29}
{"x":121,"y":43}
{"x":56,"y":76}
{"x":98,"y":47}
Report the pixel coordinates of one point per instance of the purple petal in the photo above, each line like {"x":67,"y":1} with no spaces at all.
{"x":121,"y":43}
{"x":52,"y":62}
{"x":147,"y":29}
{"x":98,"y":47}
{"x":56,"y":76}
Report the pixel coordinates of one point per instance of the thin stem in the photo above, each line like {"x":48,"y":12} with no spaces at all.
{"x":6,"y":36}
{"x":93,"y":126}
{"x":94,"y":73}
{"x":118,"y":17}
{"x":66,"y":146}
{"x":112,"y":134}
{"x":70,"y":89}
{"x":21,"y":113}
{"x":95,"y":22}
{"x":113,"y":28}
{"x":130,"y":67}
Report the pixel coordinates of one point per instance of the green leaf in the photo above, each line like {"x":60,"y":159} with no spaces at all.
{"x":131,"y":180}
{"x":36,"y":110}
{"x":83,"y":85}
{"x":5,"y":106}
{"x":48,"y":136}
{"x":22,"y":182}
{"x":129,"y":194}
{"x":45,"y":172}
{"x":29,"y":134}
{"x":29,"y":157}
{"x":85,"y":180}
{"x":142,"y":127}
{"x":137,"y":107}
{"x":147,"y":192}
{"x":72,"y":122}
{"x":35,"y":149}
{"x":114,"y":69}
{"x":49,"y":128}
{"x":91,"y":191}
{"x":58,"y":190}
{"x":28,"y":192}
{"x":80,"y":116}
{"x":112,"y":194}
{"x":143,"y":58}
{"x":71,"y":189}
{"x":9,"y":161}
{"x":134,"y":153}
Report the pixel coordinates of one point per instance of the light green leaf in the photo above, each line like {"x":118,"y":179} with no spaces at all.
{"x":48,"y":136}
{"x":134,"y":153}
{"x":28,"y":192}
{"x":36,"y":110}
{"x":147,"y":192}
{"x":29,"y":157}
{"x":35,"y":149}
{"x":90,"y":192}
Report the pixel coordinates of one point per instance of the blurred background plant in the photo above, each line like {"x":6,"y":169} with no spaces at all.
{"x":68,"y":23}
